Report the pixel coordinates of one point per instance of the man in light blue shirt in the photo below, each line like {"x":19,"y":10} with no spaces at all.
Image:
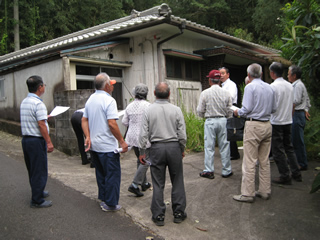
{"x":257,"y":106}
{"x":102,"y":135}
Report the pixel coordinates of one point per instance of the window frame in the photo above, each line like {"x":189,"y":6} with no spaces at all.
{"x":2,"y":92}
{"x":183,"y":74}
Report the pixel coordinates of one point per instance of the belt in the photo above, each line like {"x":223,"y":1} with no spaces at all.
{"x":163,"y":142}
{"x":216,"y":117}
{"x":28,"y":136}
{"x":299,"y":110}
{"x":252,"y":119}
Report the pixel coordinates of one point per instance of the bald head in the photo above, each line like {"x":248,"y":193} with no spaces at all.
{"x":162,"y":90}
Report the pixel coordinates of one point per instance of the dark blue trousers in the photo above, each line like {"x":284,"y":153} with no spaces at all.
{"x":35,"y":156}
{"x":298,"y":124}
{"x":108,"y":175}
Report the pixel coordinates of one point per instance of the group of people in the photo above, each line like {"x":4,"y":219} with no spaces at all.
{"x":270,"y":110}
{"x":276,"y":114}
{"x":157,"y":134}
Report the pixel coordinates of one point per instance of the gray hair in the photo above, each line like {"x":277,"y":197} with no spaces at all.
{"x":140,"y":91}
{"x":296,"y":70}
{"x":255,"y":70}
{"x":277,"y":68}
{"x":101,"y":80}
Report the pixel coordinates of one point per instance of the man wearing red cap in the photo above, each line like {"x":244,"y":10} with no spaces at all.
{"x":215,"y":105}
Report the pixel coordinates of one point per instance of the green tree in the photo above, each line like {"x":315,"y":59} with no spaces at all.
{"x":303,"y":42}
{"x":48,"y":19}
{"x":266,"y":18}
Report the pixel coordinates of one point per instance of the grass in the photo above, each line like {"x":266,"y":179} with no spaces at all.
{"x":195,"y":131}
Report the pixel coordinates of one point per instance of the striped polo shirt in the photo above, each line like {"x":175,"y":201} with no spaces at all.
{"x":32,"y":110}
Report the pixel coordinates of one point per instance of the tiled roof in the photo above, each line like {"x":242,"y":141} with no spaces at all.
{"x":136,"y":19}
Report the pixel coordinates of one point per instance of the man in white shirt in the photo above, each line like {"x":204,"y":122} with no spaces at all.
{"x":231,"y":87}
{"x":281,"y":120}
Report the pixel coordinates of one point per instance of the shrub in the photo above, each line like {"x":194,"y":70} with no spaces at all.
{"x":195,"y":131}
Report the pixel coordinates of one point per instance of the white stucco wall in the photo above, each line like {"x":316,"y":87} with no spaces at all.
{"x":16,"y":88}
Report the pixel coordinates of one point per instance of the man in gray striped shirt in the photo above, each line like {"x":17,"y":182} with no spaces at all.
{"x":215,"y":105}
{"x":301,"y":104}
{"x":36,"y":141}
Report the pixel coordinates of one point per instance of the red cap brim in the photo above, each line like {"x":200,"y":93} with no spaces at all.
{"x":112,"y":82}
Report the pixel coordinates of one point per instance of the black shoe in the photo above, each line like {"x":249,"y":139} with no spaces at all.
{"x":45,"y":194}
{"x":228,"y":175}
{"x":45,"y":204}
{"x":136,"y":191}
{"x":92,"y":165}
{"x":303,"y":168}
{"x":282,"y":181}
{"x":85,"y":162}
{"x":297,"y":178}
{"x":209,"y":175}
{"x":145,"y":187}
{"x":179,"y":217}
{"x":159,"y":221}
{"x":235,"y":158}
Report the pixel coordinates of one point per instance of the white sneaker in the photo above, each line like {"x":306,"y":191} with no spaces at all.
{"x":242,"y":198}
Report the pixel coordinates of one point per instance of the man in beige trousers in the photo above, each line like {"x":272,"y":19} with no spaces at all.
{"x":257,"y":105}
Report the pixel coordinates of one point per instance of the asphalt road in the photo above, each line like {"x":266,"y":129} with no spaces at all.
{"x":72,"y":216}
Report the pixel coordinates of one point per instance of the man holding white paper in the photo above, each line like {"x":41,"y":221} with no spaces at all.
{"x":102,"y":135}
{"x":231,"y":87}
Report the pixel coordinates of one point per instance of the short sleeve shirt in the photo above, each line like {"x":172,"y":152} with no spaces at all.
{"x":132,"y":119}
{"x":32,"y":110}
{"x":100,"y":108}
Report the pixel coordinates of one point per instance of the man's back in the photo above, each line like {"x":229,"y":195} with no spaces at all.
{"x":166,"y":123}
{"x":258,"y":100}
{"x":32,"y":110}
{"x":284,"y":100}
{"x":215,"y":101}
{"x":99,"y":108}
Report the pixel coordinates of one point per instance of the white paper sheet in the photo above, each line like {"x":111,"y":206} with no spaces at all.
{"x":121,"y":113}
{"x":119,"y":150}
{"x":58,"y":110}
{"x":234,"y":108}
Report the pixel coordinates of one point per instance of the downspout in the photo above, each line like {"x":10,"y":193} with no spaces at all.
{"x":182,"y":26}
{"x":144,"y":62}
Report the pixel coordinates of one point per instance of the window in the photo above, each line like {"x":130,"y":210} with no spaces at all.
{"x":181,"y":68}
{"x":87,"y":70}
{"x":2,"y":96}
{"x":85,"y":79}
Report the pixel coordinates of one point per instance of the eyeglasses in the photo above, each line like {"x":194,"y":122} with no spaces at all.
{"x":44,"y":85}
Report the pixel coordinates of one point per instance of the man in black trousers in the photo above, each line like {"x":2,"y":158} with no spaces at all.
{"x":76,"y":125}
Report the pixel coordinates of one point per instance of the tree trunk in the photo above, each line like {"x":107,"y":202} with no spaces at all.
{"x":16,"y":25}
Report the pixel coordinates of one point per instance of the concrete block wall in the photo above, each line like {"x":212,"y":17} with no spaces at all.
{"x":65,"y":137}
